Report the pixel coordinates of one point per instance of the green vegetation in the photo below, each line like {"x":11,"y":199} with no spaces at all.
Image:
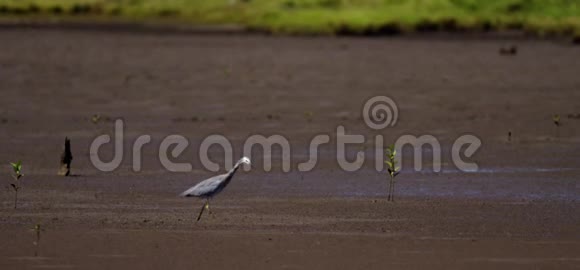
{"x":37,"y":230}
{"x":309,"y":116}
{"x":319,"y":16}
{"x":393,"y":170}
{"x":96,"y":118}
{"x":17,"y":170}
{"x":556,"y":119}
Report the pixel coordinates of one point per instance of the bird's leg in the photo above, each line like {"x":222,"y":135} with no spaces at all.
{"x":207,"y":206}
{"x":201,"y":212}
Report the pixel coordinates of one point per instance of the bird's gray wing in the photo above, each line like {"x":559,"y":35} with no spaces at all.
{"x":205,"y":187}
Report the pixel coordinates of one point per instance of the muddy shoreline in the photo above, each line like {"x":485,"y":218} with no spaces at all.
{"x":519,"y":210}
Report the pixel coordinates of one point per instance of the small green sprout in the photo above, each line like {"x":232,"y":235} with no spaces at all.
{"x":37,"y":230}
{"x":96,"y":118}
{"x":393,"y":170}
{"x":227,"y":71}
{"x":556,"y":119}
{"x":17,"y":174}
{"x":309,"y":115}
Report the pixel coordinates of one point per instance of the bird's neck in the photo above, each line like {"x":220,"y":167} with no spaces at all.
{"x":235,"y":168}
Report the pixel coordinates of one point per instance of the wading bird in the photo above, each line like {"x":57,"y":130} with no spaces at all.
{"x":208,"y":188}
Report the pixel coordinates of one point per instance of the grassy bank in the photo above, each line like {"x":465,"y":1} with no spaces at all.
{"x":319,"y":16}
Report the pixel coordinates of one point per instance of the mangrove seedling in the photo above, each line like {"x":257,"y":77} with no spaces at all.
{"x":393,"y":170}
{"x":228,"y":71}
{"x":37,"y":230}
{"x":17,"y":174}
{"x":556,"y":119}
{"x":309,"y":115}
{"x":96,"y":118}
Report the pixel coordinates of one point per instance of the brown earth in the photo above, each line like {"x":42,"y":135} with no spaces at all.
{"x":519,"y":211}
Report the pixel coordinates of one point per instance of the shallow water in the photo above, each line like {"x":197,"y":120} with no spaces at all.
{"x":489,"y":183}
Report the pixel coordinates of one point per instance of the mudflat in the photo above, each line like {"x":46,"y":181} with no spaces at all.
{"x":519,"y":210}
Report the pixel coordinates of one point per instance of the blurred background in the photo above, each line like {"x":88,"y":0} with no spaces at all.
{"x":368,"y":17}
